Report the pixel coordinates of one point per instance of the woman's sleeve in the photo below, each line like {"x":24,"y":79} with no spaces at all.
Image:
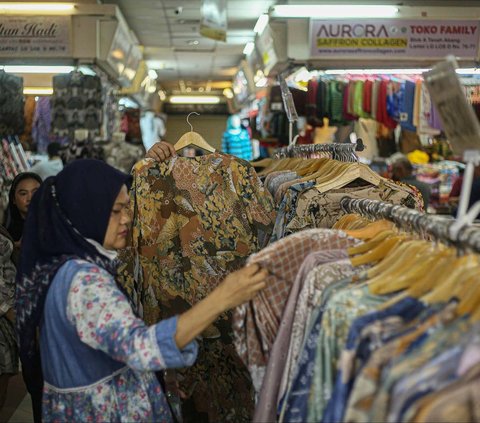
{"x":105,"y":321}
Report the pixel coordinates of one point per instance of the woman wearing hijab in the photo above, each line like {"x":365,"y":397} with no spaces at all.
{"x":19,"y":197}
{"x":98,"y":359}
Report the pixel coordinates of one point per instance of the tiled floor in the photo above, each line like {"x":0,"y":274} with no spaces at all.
{"x":18,"y":407}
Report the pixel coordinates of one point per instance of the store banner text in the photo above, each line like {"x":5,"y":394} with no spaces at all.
{"x":403,"y":38}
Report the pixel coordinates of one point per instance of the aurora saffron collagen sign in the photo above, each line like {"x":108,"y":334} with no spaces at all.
{"x":394,"y":38}
{"x":34,"y":36}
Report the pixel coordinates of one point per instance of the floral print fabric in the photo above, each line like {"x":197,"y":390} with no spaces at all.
{"x":195,"y":221}
{"x":104,"y":320}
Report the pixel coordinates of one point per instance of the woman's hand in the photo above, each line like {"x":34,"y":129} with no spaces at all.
{"x":237,"y":288}
{"x":240,"y":286}
{"x":161,"y":151}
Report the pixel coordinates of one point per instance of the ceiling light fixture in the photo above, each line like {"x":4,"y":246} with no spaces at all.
{"x":193,"y":42}
{"x":326,"y":11}
{"x":36,"y":7}
{"x":191,"y":99}
{"x":37,"y":90}
{"x":152,"y":74}
{"x":227,"y":92}
{"x":37,"y":69}
{"x":261,"y":24}
{"x":162,"y":95}
{"x":249,"y":47}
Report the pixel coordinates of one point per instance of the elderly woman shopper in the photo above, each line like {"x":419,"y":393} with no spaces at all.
{"x":98,"y":358}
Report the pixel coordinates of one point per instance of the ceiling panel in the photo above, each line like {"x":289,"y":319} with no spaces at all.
{"x":169,"y":29}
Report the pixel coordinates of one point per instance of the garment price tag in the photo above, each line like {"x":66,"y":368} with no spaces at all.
{"x":458,"y":118}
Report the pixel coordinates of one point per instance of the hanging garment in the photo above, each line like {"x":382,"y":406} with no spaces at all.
{"x":122,"y":155}
{"x":11,"y":104}
{"x":304,"y":207}
{"x":195,"y":221}
{"x":29,"y":114}
{"x":77,"y":103}
{"x":256,"y":324}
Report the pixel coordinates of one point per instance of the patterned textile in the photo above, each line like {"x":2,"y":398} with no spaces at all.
{"x":122,"y":155}
{"x":11,"y":104}
{"x":104,"y":321}
{"x":195,"y":221}
{"x":368,"y":382}
{"x":77,"y":103}
{"x":42,"y":122}
{"x":256,"y":323}
{"x":267,"y":405}
{"x":316,"y":210}
{"x":7,"y":275}
{"x":344,"y":307}
{"x":8,"y":341}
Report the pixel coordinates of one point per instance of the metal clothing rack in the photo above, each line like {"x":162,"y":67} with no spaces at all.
{"x":438,"y":228}
{"x":344,"y":152}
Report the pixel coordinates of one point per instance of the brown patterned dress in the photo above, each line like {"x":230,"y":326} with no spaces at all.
{"x":195,"y":221}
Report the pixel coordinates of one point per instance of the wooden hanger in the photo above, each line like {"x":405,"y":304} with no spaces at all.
{"x":350,"y":173}
{"x":371,"y":230}
{"x":371,"y":244}
{"x":379,"y":252}
{"x":193,"y":138}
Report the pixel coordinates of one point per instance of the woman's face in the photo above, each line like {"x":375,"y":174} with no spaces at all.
{"x":23,"y":195}
{"x":119,"y":224}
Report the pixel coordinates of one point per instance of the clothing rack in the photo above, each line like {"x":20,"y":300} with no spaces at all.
{"x":344,"y":152}
{"x":438,"y":228}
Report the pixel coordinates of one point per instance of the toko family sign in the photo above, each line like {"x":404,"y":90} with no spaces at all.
{"x":394,"y":38}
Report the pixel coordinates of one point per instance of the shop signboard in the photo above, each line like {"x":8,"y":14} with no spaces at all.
{"x":394,"y":38}
{"x":214,"y":19}
{"x":35,"y":36}
{"x":119,"y":49}
{"x":266,"y":48}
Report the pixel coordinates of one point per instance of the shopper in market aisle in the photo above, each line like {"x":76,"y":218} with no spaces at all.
{"x":53,"y":165}
{"x":98,"y":358}
{"x":19,"y":197}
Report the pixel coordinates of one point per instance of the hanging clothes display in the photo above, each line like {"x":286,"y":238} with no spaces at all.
{"x":195,"y":221}
{"x":122,"y":155}
{"x":12,"y":121}
{"x":29,"y":114}
{"x":77,"y":103}
{"x":42,"y":122}
{"x":369,"y":324}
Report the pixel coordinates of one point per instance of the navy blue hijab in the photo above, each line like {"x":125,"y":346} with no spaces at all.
{"x":67,"y":208}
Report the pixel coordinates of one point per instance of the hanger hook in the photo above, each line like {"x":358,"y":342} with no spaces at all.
{"x":188,"y":117}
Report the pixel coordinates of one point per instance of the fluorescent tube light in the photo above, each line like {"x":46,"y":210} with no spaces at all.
{"x":36,"y":7}
{"x":249,"y":48}
{"x":38,"y":91}
{"x":192,"y":99}
{"x":261,"y":24}
{"x":38,"y":69}
{"x":326,"y":11}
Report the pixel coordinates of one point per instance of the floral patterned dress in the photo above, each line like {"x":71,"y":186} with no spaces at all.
{"x":89,"y":328}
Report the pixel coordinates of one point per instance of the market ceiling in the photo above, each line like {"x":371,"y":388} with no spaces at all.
{"x":184,"y":60}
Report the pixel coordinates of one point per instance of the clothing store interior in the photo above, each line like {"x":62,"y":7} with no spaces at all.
{"x":240,"y":211}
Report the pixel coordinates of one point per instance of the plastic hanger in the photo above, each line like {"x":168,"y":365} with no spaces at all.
{"x":371,"y":244}
{"x":371,"y":230}
{"x":193,"y":138}
{"x":379,"y":252}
